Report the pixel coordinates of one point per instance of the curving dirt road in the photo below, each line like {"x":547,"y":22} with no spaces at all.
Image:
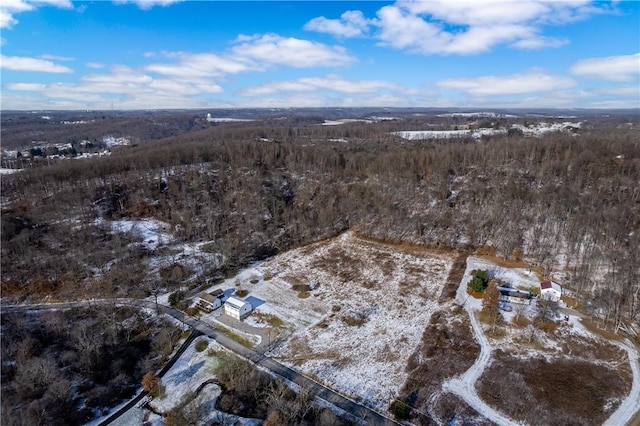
{"x":464,"y":386}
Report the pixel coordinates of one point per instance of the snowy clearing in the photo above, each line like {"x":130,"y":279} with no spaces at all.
{"x":447,"y":134}
{"x":354,"y":310}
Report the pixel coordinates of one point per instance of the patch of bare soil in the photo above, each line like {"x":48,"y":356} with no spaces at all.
{"x":448,"y":348}
{"x":556,"y":391}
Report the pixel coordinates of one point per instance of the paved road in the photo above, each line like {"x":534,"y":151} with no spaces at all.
{"x":368,"y":415}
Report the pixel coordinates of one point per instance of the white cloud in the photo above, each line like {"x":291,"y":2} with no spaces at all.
{"x":632,"y":92}
{"x":332,"y":83}
{"x":462,"y":26}
{"x":506,"y":85}
{"x":96,"y":65}
{"x":468,"y":27}
{"x":277,"y":50}
{"x":539,"y":42}
{"x":25,"y":87}
{"x":130,"y":88}
{"x":352,"y":23}
{"x":22,"y":63}
{"x":8,"y":8}
{"x":199,"y":65}
{"x":56,"y":58}
{"x":322,"y":99}
{"x":497,"y":12}
{"x":613,"y":68}
{"x":148,"y":4}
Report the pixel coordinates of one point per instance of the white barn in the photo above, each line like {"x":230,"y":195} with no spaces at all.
{"x":237,"y":308}
{"x":550,"y":291}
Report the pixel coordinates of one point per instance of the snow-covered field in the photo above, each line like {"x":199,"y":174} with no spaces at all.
{"x":447,"y":134}
{"x":362,"y":318}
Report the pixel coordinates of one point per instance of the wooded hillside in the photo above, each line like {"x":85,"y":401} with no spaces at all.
{"x":564,"y":201}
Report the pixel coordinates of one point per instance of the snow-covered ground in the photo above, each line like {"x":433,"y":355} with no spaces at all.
{"x":191,"y":370}
{"x":4,"y":171}
{"x":155,"y":234}
{"x":448,"y":134}
{"x":539,"y":129}
{"x":363,"y":318}
{"x":227,"y":119}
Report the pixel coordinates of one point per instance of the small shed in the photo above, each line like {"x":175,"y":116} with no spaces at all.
{"x":550,"y":291}
{"x":237,"y":308}
{"x":511,"y":295}
{"x":208,"y":302}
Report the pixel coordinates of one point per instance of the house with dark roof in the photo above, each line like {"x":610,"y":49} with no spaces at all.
{"x":512,"y":295}
{"x":208,"y":302}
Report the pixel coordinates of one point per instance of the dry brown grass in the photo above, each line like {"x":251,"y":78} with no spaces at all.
{"x":474,"y":294}
{"x":387,"y":355}
{"x":453,"y":280}
{"x":579,"y":346}
{"x":521,"y":321}
{"x":449,"y":406}
{"x":597,"y":330}
{"x":270,"y":319}
{"x":401,"y":246}
{"x":557,"y":392}
{"x":353,"y":320}
{"x":547,"y":326}
{"x":448,"y":348}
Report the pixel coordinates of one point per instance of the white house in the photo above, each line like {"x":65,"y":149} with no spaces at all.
{"x":237,"y":308}
{"x":550,"y":291}
{"x":208,"y":302}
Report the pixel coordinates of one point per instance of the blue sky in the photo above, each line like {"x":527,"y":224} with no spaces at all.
{"x":146,"y":54}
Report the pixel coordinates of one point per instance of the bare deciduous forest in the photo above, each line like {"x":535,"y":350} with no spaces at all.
{"x":565,"y":202}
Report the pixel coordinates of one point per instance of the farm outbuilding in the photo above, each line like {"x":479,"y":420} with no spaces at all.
{"x":237,"y":308}
{"x":550,"y":291}
{"x":511,"y":295}
{"x":208,"y":302}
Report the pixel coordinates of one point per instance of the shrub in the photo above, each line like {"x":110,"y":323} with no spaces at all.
{"x":301,"y":288}
{"x":152,"y":384}
{"x":242,"y":293}
{"x":193,"y":311}
{"x":400,"y":409}
{"x":176,"y":297}
{"x":254,"y":281}
{"x":480,"y":280}
{"x":202,"y":345}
